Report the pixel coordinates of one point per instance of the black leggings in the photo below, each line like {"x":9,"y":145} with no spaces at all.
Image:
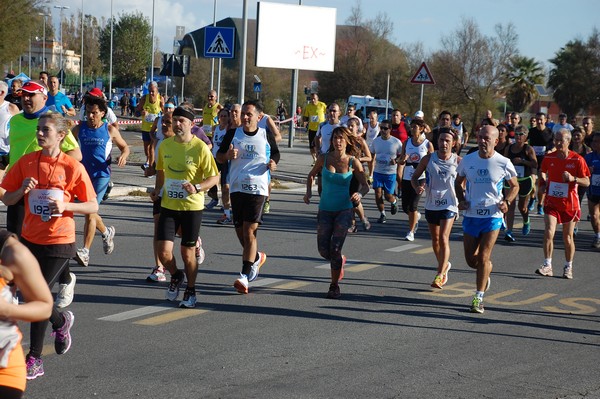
{"x":51,"y":269}
{"x":10,"y":393}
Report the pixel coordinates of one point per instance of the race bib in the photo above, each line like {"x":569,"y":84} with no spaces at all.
{"x":410,"y":171}
{"x":174,"y":189}
{"x":314,"y":118}
{"x":595,"y":180}
{"x":150,"y":117}
{"x":39,"y":202}
{"x":438,"y":197}
{"x":558,"y":190}
{"x":539,"y":149}
{"x":520,"y":170}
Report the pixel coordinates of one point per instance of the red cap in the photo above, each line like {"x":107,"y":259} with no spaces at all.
{"x":34,"y":87}
{"x":96,"y":92}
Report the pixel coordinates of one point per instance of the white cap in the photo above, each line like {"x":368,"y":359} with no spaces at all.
{"x":419,"y":114}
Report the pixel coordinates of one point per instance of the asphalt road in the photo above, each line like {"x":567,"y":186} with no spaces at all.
{"x":389,"y":336}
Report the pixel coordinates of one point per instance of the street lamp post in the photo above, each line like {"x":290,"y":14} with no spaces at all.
{"x":111,"y":52}
{"x":61,"y":8}
{"x":81,"y":59}
{"x":44,"y":41}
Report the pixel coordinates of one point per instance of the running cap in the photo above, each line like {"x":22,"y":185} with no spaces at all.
{"x":34,"y":87}
{"x":419,"y":114}
{"x":169,"y":105}
{"x":96,"y":92}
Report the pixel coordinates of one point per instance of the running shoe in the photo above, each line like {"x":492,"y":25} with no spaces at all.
{"x":352,"y":229}
{"x":410,"y":236}
{"x":540,"y":210}
{"x":224,"y":220}
{"x":508,"y":237}
{"x":596,"y":243}
{"x":157,"y":275}
{"x":531,"y":204}
{"x":417,"y":225}
{"x":342,"y":269}
{"x":145,"y":166}
{"x":545,"y":270}
{"x":477,"y":305}
{"x":382,"y":219}
{"x":366,"y":225}
{"x":255,"y":269}
{"x":108,"y":243}
{"x":82,"y":257}
{"x":213,"y":202}
{"x":445,"y":275}
{"x":334,"y":291}
{"x":241,"y":284}
{"x":568,"y":272}
{"x":65,"y":293}
{"x":267,"y":207}
{"x":174,"y":286}
{"x":200,"y":255}
{"x":62,"y":335}
{"x":189,"y":299}
{"x":35,"y":367}
{"x":394,"y":208}
{"x":526,"y":229}
{"x":437,"y":281}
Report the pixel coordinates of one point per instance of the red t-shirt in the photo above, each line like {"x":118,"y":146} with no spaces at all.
{"x":63,"y":174}
{"x":561,"y":195}
{"x":402,"y":133}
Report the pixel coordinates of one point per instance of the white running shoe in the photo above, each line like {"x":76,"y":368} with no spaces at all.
{"x":255,"y":269}
{"x":82,"y":257}
{"x":410,"y":236}
{"x":108,"y":243}
{"x":200,"y":255}
{"x":65,"y":293}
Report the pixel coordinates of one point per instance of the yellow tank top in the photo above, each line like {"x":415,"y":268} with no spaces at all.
{"x":152,"y":112}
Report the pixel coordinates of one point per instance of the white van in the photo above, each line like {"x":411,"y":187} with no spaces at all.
{"x":365,"y":104}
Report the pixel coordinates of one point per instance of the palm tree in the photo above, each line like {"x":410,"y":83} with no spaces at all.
{"x":524,"y":73}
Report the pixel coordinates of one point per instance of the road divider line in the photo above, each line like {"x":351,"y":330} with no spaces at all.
{"x":265,"y":281}
{"x":171,"y":316}
{"x":361,"y":267}
{"x":403,"y":248}
{"x":292,"y":285}
{"x":423,"y":251}
{"x":132,"y":314}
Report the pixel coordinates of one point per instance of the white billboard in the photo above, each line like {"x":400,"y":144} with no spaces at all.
{"x":295,"y":37}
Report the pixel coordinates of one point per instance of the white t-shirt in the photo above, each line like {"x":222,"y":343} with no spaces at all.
{"x":5,"y":116}
{"x":372,"y":132}
{"x":248,"y":173}
{"x":485,"y":180}
{"x":440,"y":183}
{"x":414,"y":154}
{"x":385,"y":151}
{"x":325,"y":131}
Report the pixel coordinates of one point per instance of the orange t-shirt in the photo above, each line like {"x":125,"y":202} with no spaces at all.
{"x":13,"y":375}
{"x":62,"y":174}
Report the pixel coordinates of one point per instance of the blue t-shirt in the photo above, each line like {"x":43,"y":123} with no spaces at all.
{"x":593,"y":161}
{"x":58,"y":101}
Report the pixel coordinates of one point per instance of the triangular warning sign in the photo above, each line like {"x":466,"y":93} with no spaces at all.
{"x":423,"y":76}
{"x":218,"y":46}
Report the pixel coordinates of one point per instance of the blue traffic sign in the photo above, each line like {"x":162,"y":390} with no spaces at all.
{"x":257,"y":87}
{"x":219,"y":42}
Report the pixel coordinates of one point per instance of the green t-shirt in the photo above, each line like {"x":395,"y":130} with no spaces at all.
{"x":23,"y":139}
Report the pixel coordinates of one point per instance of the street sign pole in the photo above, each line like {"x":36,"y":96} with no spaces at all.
{"x":421,"y":103}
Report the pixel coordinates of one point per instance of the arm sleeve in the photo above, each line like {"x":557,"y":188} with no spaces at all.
{"x":227,"y":139}
{"x":275,"y":155}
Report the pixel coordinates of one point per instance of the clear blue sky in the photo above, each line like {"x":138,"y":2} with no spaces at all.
{"x":543,"y":26}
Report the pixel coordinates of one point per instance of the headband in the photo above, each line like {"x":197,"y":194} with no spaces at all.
{"x":179,"y":111}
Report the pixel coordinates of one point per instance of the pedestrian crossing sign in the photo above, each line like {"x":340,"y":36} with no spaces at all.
{"x":219,"y":42}
{"x":423,"y":76}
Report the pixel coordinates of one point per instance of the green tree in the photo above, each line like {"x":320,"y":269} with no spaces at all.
{"x":20,"y":22}
{"x":132,"y":41}
{"x":523,"y":74}
{"x":575,"y":76}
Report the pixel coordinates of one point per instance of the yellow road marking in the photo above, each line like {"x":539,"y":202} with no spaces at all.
{"x":494,"y":298}
{"x":361,"y":267}
{"x":171,"y":316}
{"x":292,"y":285}
{"x":423,"y":251}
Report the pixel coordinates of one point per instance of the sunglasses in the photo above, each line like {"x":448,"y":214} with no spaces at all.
{"x":519,"y":134}
{"x":384,"y":128}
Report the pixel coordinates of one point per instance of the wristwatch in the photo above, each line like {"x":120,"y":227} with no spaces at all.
{"x":507,"y":202}
{"x":198,"y":187}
